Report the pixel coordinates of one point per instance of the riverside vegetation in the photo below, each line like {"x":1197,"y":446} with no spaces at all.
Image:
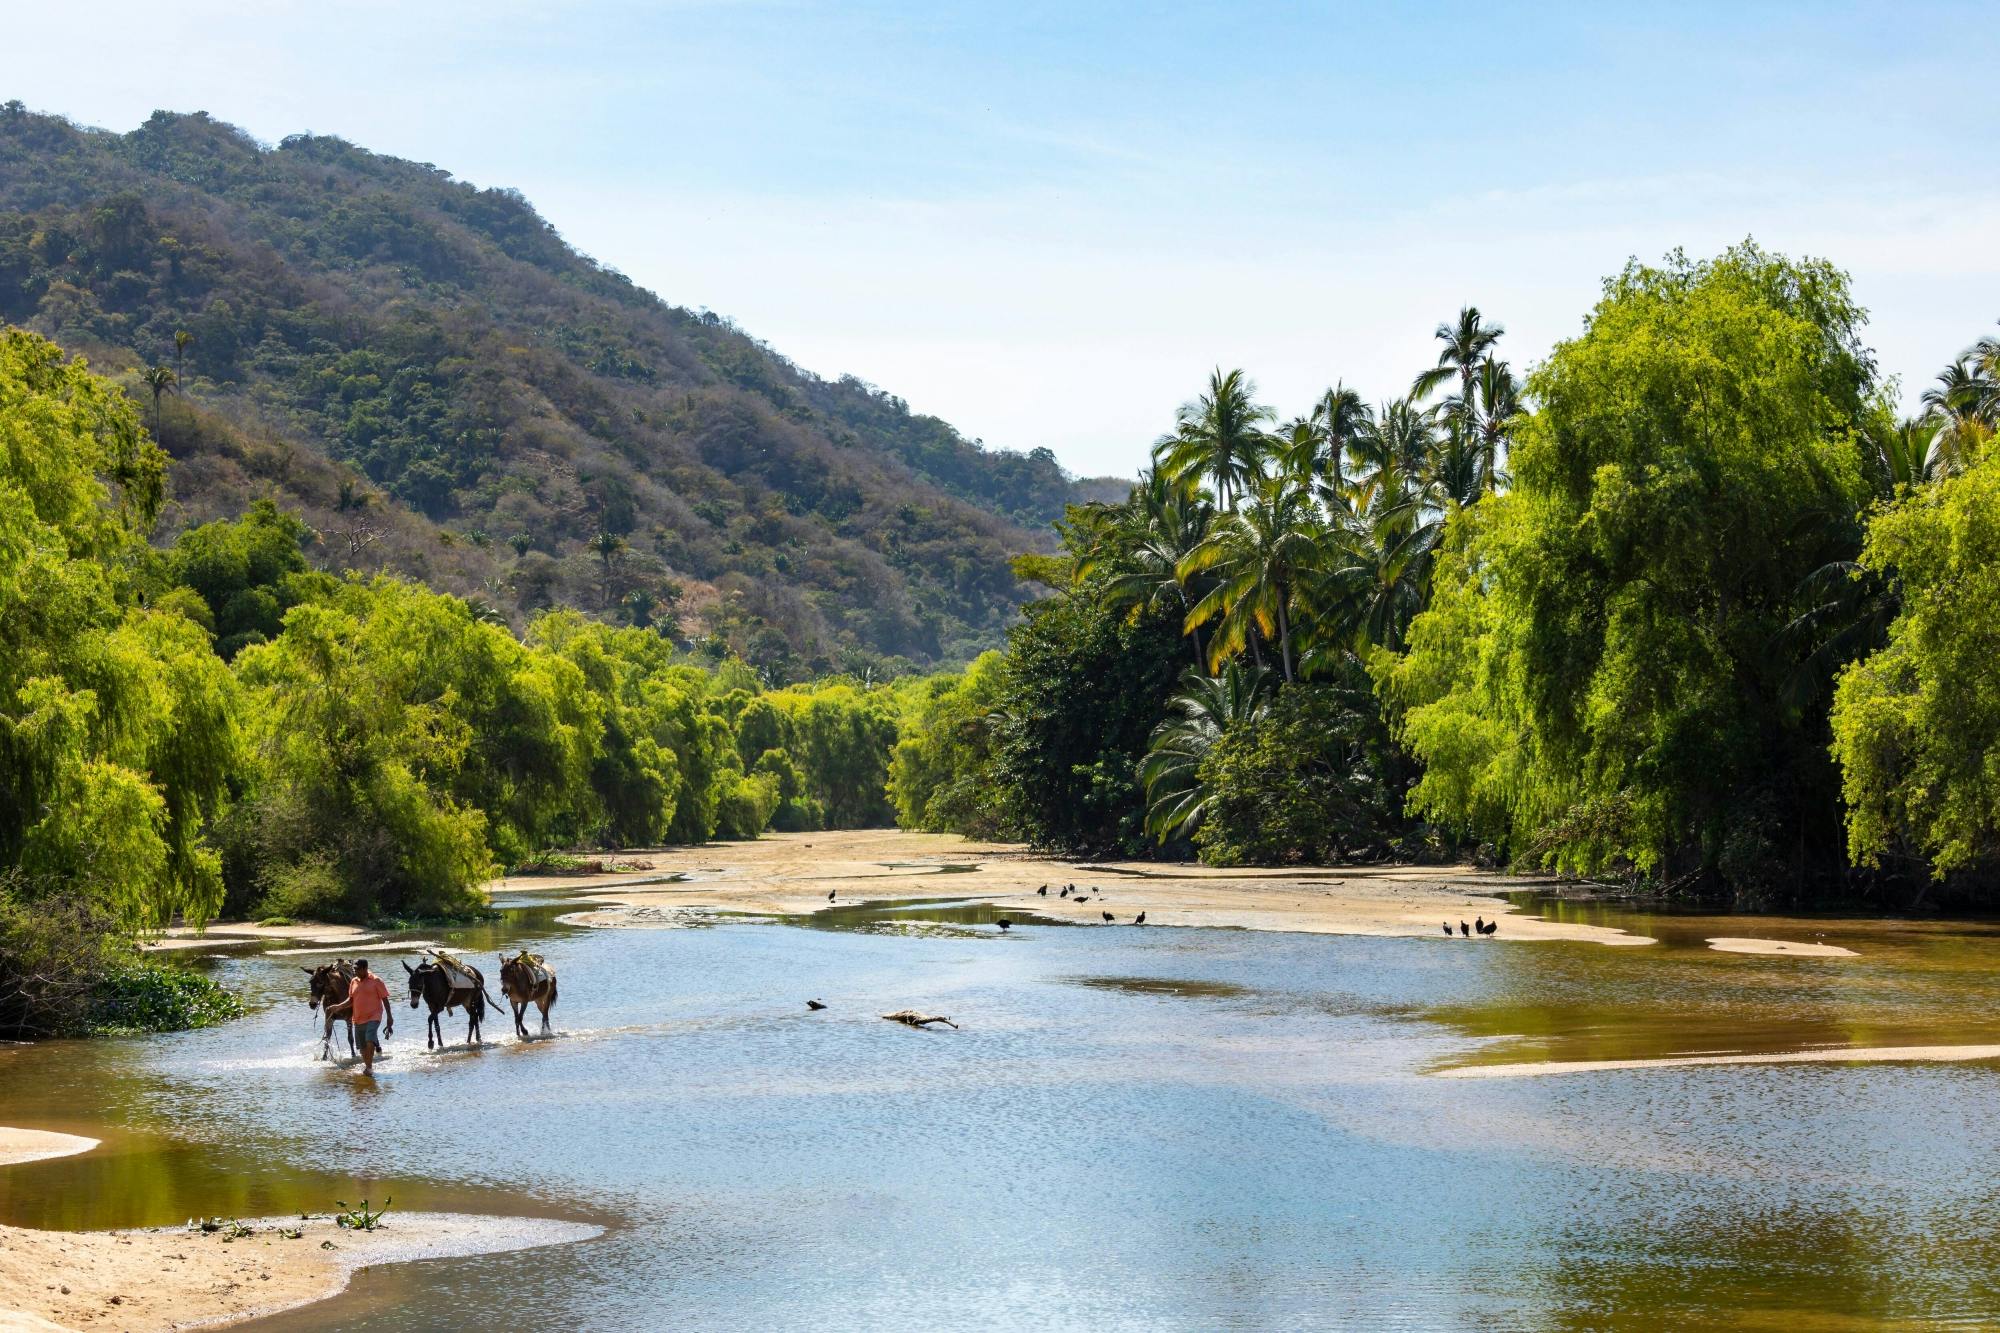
{"x":1688,"y":605}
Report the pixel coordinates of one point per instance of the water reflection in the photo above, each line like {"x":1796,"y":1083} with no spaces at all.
{"x":1133,"y":1129}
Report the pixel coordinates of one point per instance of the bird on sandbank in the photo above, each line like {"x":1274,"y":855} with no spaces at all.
{"x":1490,"y":928}
{"x":815,"y":1004}
{"x":1465,"y":930}
{"x":1479,"y":924}
{"x":830,"y":893}
{"x":1447,"y":930}
{"x":1044,"y":890}
{"x":1109,"y":917}
{"x":1005,"y":924}
{"x":1139,"y":920}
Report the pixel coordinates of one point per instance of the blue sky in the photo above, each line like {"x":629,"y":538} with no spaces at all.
{"x":1046,"y":222}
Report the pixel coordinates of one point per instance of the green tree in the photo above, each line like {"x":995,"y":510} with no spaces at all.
{"x":1599,"y":679}
{"x":1916,"y":726}
{"x":248,"y":572}
{"x":1204,"y":710}
{"x":117,"y":723}
{"x":1219,"y":439}
{"x":1082,"y":686}
{"x":1259,"y":553}
{"x":161,"y":381}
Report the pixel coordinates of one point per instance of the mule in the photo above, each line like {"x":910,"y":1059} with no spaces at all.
{"x":520,"y":984}
{"x":429,"y":985}
{"x":330,"y":983}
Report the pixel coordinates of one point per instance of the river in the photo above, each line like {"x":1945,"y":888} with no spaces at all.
{"x":1179,"y":1128}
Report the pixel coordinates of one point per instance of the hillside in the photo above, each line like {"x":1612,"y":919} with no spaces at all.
{"x":447,"y":390}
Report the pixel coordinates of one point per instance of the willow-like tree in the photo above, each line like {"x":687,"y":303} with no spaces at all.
{"x":1598,"y":681}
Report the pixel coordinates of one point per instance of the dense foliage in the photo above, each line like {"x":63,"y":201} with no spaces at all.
{"x":1603,"y":679}
{"x":219,"y":725}
{"x":1593,"y":621}
{"x":1917,"y":725}
{"x":445,"y":391}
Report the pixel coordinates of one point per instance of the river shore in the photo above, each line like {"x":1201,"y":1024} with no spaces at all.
{"x":790,"y":874}
{"x":150,"y":1281}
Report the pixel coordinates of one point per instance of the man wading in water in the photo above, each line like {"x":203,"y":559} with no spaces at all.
{"x":370,"y":998}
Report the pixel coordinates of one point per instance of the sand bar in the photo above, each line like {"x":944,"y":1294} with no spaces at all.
{"x":792,"y":873}
{"x":149,"y":1281}
{"x":1779,"y":948}
{"x":34,"y":1145}
{"x":1836,"y":1055}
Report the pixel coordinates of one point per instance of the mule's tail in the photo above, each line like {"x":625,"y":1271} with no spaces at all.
{"x":498,"y":1008}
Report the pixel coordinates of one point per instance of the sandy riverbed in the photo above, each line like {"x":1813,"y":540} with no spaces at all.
{"x":1840,"y":1055}
{"x":149,"y":1281}
{"x":793,"y":873}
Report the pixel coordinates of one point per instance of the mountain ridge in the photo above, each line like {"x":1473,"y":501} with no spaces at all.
{"x":449,"y":390}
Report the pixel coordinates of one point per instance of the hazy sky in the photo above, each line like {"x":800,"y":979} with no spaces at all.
{"x":1045,"y":223}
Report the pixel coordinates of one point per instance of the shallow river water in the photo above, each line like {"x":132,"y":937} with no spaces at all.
{"x":1158,"y":1128}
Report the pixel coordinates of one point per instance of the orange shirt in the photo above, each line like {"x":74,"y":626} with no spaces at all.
{"x":369,"y":994}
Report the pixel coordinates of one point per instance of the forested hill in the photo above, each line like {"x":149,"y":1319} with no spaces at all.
{"x":447,"y":390}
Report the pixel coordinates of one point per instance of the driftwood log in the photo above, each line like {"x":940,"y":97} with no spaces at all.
{"x":916,"y":1020}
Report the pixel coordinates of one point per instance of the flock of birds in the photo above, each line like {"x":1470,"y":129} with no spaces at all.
{"x":1083,"y":896}
{"x":1479,"y":924}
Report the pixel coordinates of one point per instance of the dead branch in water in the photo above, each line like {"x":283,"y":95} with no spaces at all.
{"x":912,"y":1018}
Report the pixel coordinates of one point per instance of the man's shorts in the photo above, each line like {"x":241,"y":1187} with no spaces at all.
{"x":368,"y":1034}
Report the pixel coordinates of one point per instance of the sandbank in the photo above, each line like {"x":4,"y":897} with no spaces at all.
{"x":1779,"y":948}
{"x":149,"y":1281}
{"x":1838,"y":1055}
{"x":34,"y":1145}
{"x":793,"y":873}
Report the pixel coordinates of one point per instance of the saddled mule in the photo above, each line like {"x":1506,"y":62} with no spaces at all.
{"x":430,"y":985}
{"x":526,"y":982}
{"x":330,"y":983}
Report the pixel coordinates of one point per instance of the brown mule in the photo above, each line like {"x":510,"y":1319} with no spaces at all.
{"x":330,"y":983}
{"x":526,"y":982}
{"x":430,"y":985}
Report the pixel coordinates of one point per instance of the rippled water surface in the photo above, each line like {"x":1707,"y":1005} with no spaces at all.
{"x":1149,"y":1128}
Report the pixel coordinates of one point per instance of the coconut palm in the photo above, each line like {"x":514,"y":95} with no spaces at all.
{"x":1466,"y":344}
{"x":1391,"y":450}
{"x":1316,"y":446}
{"x":1138,"y":555}
{"x":181,"y":340}
{"x":161,"y":381}
{"x":1219,"y":438}
{"x":1259,"y":555}
{"x":1205,"y":710}
{"x":1496,"y":413}
{"x":1912,"y":453}
{"x":1966,"y":401}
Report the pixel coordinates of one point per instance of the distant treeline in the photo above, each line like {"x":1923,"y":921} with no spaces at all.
{"x":1691,"y":607}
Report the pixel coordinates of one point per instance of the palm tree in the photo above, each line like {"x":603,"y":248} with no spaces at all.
{"x":1339,"y":418}
{"x":1218,"y":437}
{"x":181,"y":340}
{"x":1966,"y":400}
{"x":1466,"y":344}
{"x":1205,"y":710}
{"x":1375,"y":579}
{"x":1912,"y":453}
{"x":161,"y":381}
{"x":1139,"y":554}
{"x":609,"y":546}
{"x":1260,"y":554}
{"x":1391,"y":450}
{"x":1496,"y":412}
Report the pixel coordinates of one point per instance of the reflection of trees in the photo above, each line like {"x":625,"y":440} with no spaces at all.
{"x":1913,"y":985}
